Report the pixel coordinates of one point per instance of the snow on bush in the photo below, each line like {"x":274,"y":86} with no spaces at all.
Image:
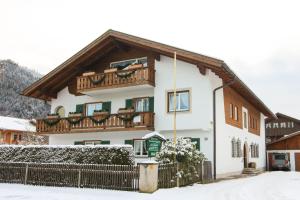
{"x":185,"y":153}
{"x":80,"y":154}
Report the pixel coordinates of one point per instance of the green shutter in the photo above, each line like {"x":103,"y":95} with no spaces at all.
{"x":197,"y":140}
{"x":106,"y":106}
{"x":129,"y":142}
{"x":105,"y":142}
{"x":78,"y":143}
{"x":128,"y":103}
{"x":79,"y":108}
{"x":151,"y":104}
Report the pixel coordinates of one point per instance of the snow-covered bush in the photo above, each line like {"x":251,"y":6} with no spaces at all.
{"x":185,"y":153}
{"x":99,"y":154}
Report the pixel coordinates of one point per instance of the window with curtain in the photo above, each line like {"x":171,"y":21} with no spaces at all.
{"x":142,"y":105}
{"x":182,"y":101}
{"x":90,"y":107}
{"x":140,"y":148}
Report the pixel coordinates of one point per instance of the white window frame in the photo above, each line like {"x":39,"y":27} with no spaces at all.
{"x":133,"y":59}
{"x":144,"y":107}
{"x":95,"y":103}
{"x":178,"y":96}
{"x":282,"y":124}
{"x":236,"y":113}
{"x":142,"y":143}
{"x":92,"y":142}
{"x":245,"y":119}
{"x":231,"y":110}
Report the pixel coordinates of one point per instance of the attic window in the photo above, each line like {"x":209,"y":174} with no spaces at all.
{"x":125,"y":63}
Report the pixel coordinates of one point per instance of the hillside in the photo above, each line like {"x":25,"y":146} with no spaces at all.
{"x":13,"y":79}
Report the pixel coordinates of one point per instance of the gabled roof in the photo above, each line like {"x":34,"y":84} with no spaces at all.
{"x":280,"y":115}
{"x":285,"y":137}
{"x":47,"y":87}
{"x":16,"y":124}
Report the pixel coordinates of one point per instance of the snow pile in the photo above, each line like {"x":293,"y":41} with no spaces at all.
{"x":154,"y":134}
{"x":11,"y":123}
{"x":80,"y":154}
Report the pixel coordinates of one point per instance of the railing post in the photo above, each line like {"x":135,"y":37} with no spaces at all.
{"x":79,"y":178}
{"x":26,"y":174}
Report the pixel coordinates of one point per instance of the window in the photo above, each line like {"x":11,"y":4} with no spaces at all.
{"x":275,"y":125}
{"x":245,"y":120}
{"x":233,"y":148}
{"x":282,"y":125}
{"x":140,"y":148}
{"x":125,"y":63}
{"x":231,"y":111}
{"x":182,"y":101}
{"x":142,"y":105}
{"x":239,"y":148}
{"x":292,"y":124}
{"x":15,"y":137}
{"x":254,"y":150}
{"x":236,"y":111}
{"x":92,"y":142}
{"x":60,"y":110}
{"x":268,"y":125}
{"x":90,"y":107}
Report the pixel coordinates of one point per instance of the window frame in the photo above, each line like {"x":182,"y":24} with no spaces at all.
{"x":143,"y":142}
{"x":134,"y":101}
{"x":178,"y":92}
{"x":86,"y":104}
{"x":245,"y":119}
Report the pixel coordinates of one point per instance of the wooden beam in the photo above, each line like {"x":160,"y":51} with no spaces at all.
{"x":202,"y":69}
{"x":156,"y":56}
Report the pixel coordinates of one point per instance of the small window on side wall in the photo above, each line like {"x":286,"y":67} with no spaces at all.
{"x":60,"y":110}
{"x":182,"y":101}
{"x":236,"y":113}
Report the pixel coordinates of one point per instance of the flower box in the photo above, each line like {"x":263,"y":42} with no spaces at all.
{"x":110,"y":70}
{"x":101,"y":113}
{"x":75,"y":114}
{"x":124,"y":110}
{"x":88,"y":73}
{"x":136,"y":66}
{"x":52,"y":116}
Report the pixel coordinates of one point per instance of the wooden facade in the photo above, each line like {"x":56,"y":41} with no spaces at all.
{"x":284,"y":125}
{"x":11,"y":136}
{"x":233,"y":105}
{"x":291,"y":142}
{"x":113,"y":122}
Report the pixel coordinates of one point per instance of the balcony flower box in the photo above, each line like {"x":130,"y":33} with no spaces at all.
{"x":136,"y":66}
{"x":88,"y":73}
{"x":100,"y":112}
{"x":75,"y":114}
{"x":125,"y":110}
{"x":110,"y":70}
{"x":52,"y":116}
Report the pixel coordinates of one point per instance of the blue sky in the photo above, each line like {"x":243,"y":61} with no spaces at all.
{"x":259,"y":40}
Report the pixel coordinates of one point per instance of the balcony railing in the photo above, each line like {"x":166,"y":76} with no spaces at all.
{"x":105,"y":122}
{"x":116,"y":79}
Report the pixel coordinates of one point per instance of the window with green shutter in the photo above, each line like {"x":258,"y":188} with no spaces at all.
{"x":197,"y":141}
{"x":151,"y":104}
{"x":106,"y":106}
{"x":128,"y":103}
{"x":105,"y":142}
{"x":130,"y":142}
{"x":79,"y":108}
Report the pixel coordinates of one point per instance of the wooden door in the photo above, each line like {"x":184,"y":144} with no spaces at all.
{"x":297,"y":162}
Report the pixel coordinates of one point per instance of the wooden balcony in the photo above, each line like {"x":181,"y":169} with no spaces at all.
{"x":105,"y":122}
{"x":116,"y":79}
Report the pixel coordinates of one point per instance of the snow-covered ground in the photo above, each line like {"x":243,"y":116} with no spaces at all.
{"x":267,"y":186}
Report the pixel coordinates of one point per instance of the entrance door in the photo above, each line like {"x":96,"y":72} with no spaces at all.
{"x":246,"y":155}
{"x":297,"y":162}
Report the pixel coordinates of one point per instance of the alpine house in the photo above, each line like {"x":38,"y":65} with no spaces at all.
{"x":120,"y":87}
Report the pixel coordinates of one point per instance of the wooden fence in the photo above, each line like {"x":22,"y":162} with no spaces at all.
{"x":167,"y":175}
{"x":115,"y":177}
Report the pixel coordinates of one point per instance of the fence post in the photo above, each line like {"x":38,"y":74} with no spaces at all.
{"x":79,"y":178}
{"x":26,"y":174}
{"x":148,"y":181}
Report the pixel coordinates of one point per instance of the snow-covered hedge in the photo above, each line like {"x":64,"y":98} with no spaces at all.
{"x":99,"y":154}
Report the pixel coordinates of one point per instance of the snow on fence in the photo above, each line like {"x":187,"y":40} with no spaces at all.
{"x":167,"y":175}
{"x":115,"y":177}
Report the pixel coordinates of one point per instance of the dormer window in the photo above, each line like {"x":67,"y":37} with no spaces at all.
{"x":124,"y":64}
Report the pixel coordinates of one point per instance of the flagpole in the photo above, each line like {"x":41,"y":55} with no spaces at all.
{"x":174,"y":100}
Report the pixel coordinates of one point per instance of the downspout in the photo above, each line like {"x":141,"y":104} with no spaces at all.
{"x":214,"y":121}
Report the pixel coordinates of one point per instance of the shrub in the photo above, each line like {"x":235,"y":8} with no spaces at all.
{"x":185,"y":153}
{"x":80,"y":154}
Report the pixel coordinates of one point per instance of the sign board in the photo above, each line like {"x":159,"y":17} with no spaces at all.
{"x":153,"y":146}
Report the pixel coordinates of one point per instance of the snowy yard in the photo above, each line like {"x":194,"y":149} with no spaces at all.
{"x":267,"y":186}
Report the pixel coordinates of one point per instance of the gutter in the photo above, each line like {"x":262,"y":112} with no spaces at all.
{"x":214,"y":121}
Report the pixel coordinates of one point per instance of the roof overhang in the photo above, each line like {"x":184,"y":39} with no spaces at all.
{"x":42,"y":88}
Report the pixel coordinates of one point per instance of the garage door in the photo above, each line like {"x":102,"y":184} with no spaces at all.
{"x":297,"y":162}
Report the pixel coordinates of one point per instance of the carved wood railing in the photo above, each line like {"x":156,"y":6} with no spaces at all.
{"x":111,"y":122}
{"x":120,"y":78}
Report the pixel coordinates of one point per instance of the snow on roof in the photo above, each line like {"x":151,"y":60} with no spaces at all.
{"x":153,"y":134}
{"x":17,"y":124}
